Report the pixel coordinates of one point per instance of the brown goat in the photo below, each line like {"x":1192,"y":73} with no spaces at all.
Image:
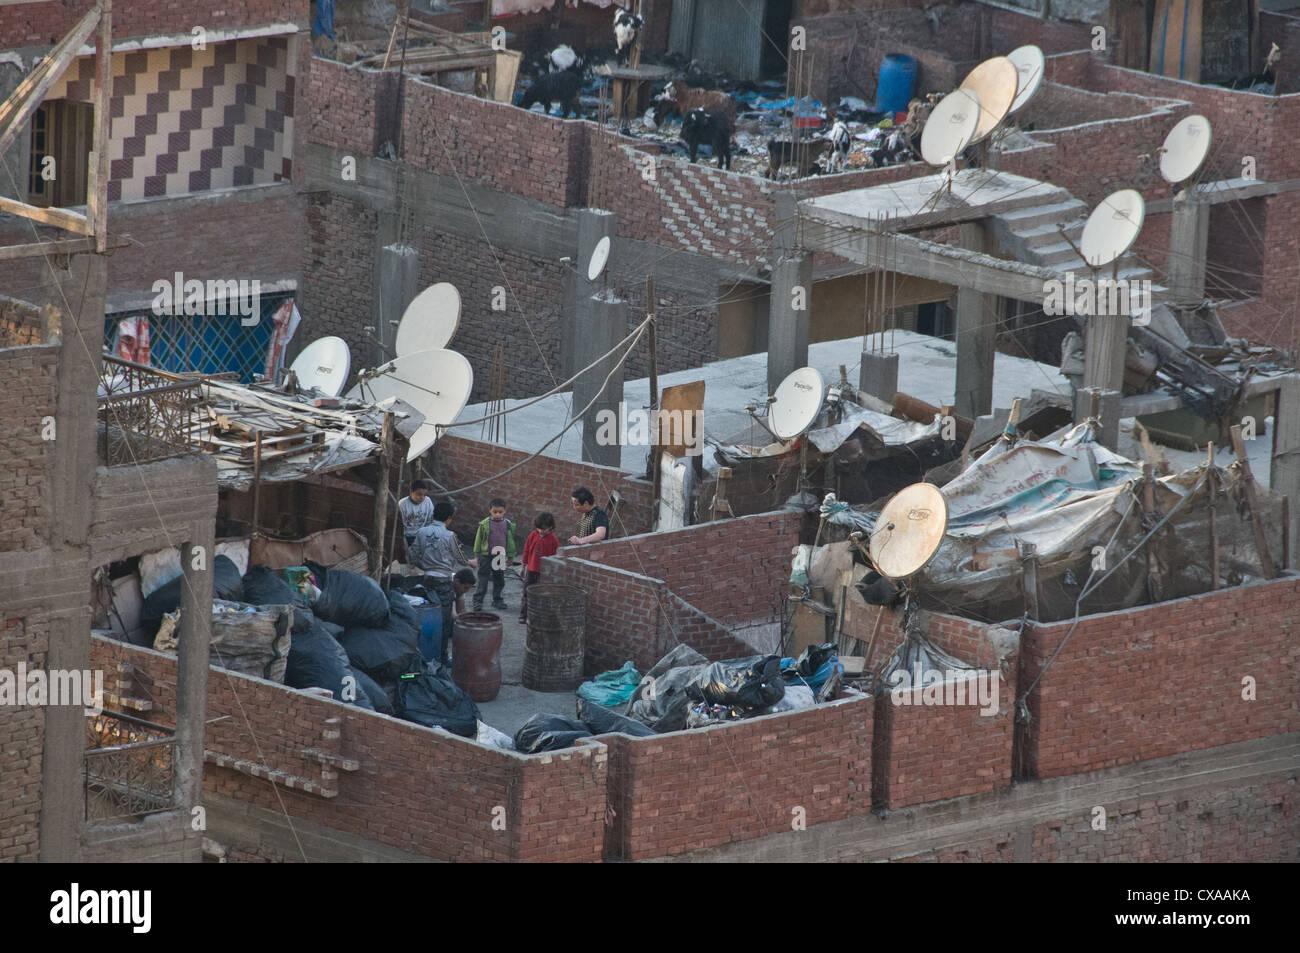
{"x":683,"y":99}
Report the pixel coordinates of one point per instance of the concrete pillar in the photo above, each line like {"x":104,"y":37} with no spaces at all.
{"x":1189,"y":235}
{"x":1105,"y":345}
{"x":602,"y":324}
{"x":193,"y":635}
{"x":1106,"y":410}
{"x":878,"y":375}
{"x":787,"y":317}
{"x":1284,"y":476}
{"x":397,"y":284}
{"x":593,"y":225}
{"x":63,"y":808}
{"x":977,"y":316}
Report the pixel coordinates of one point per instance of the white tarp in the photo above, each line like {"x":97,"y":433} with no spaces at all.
{"x":891,"y":431}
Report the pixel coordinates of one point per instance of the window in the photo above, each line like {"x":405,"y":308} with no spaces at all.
{"x":64,"y":131}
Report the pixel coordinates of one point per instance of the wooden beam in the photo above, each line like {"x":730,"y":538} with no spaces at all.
{"x":70,"y":246}
{"x":1252,"y":498}
{"x":18,"y":108}
{"x":60,"y":218}
{"x":97,"y":181}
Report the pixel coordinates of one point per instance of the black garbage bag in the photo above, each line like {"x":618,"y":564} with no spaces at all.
{"x":427,"y":698}
{"x":545,"y":732}
{"x":380,"y":699}
{"x":747,"y":683}
{"x":660,"y":701}
{"x":263,"y":586}
{"x":351,"y":599}
{"x":227,"y":584}
{"x":600,"y":720}
{"x":316,"y":660}
{"x":382,"y":653}
{"x":402,"y":615}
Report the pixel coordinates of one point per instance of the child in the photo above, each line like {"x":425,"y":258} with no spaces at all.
{"x":494,"y":542}
{"x":541,"y":542}
{"x":416,"y":511}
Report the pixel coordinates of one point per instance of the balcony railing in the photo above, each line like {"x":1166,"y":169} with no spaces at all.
{"x":146,"y":415}
{"x":128,"y":767}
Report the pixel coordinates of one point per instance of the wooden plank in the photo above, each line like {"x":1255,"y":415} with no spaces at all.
{"x":59,"y":218}
{"x":97,"y":179}
{"x":1252,"y":498}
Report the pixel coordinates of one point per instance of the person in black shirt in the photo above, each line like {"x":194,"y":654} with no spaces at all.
{"x":593,"y":524}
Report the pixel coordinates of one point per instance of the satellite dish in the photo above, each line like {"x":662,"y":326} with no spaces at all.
{"x":435,"y":382}
{"x":1112,"y":227}
{"x":994,"y":83}
{"x":950,"y":127}
{"x":324,"y":365}
{"x":1030,"y":65}
{"x":599,"y":256}
{"x":430,"y":320}
{"x":908,"y":531}
{"x":797,"y":402}
{"x":1184,"y":149}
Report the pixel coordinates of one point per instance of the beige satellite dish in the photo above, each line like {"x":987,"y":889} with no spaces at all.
{"x":994,"y":82}
{"x":1112,"y":227}
{"x":1184,"y":149}
{"x":1030,"y":65}
{"x":949,"y":129}
{"x":908,"y":531}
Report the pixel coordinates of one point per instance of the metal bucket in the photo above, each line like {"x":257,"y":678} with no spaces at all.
{"x":476,"y":655}
{"x":557,"y":638}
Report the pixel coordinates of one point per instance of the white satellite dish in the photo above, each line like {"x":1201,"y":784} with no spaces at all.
{"x":599,"y":256}
{"x":1112,"y":227}
{"x":908,"y":531}
{"x":435,"y":382}
{"x":796,"y":403}
{"x":430,"y":320}
{"x":1184,"y":149}
{"x":1030,"y":65}
{"x":950,"y":127}
{"x":324,"y":365}
{"x":994,"y":83}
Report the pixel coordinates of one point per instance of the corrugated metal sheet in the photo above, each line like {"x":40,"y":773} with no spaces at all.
{"x":721,"y":34}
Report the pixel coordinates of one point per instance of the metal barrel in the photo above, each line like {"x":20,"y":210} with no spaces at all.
{"x":476,"y":655}
{"x":557,"y":637}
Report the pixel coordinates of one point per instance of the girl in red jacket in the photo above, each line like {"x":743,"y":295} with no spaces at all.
{"x":542,"y":541}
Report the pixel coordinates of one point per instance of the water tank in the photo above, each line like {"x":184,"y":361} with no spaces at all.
{"x":476,"y":655}
{"x":896,"y":82}
{"x":430,"y":630}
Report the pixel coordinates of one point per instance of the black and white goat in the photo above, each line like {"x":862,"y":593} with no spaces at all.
{"x":561,"y":86}
{"x":840,"y":143}
{"x":627,"y":27}
{"x":713,"y":129}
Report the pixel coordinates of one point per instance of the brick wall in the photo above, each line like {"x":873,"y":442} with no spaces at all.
{"x":349,"y":107}
{"x":543,"y":483}
{"x":733,"y":570}
{"x":1161,"y":679}
{"x":337,"y":290}
{"x":417,"y":789}
{"x":709,"y":786}
{"x":40,"y":24}
{"x":30,"y":394}
{"x":22,"y":742}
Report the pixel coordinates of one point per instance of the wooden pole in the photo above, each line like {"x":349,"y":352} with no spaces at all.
{"x":720,"y":505}
{"x":102,"y":91}
{"x":1212,"y":484}
{"x":257,"y":481}
{"x":1154,"y":587}
{"x":381,"y":497}
{"x":1252,"y":498}
{"x":654,"y":397}
{"x":1029,"y":560}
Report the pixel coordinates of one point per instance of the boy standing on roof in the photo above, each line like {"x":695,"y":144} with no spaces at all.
{"x":494,"y":542}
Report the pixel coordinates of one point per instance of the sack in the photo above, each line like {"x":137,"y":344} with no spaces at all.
{"x":601,"y":721}
{"x":545,"y":732}
{"x":383,"y":654}
{"x":611,"y":689}
{"x":428,"y":699}
{"x":379,"y":698}
{"x":263,"y":586}
{"x":749,"y":683}
{"x":351,"y":599}
{"x":227,"y":585}
{"x":316,"y":660}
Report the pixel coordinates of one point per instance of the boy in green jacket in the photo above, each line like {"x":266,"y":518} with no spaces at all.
{"x":495,"y":543}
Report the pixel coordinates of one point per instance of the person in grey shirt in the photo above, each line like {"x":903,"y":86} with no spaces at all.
{"x":436,"y":552}
{"x":416,"y":511}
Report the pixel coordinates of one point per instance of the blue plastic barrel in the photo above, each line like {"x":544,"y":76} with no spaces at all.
{"x":430,"y":631}
{"x":896,"y":82}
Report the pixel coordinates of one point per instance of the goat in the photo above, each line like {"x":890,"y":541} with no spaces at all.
{"x":782,"y":152}
{"x":840,"y":141}
{"x":627,"y":26}
{"x":680,"y":98}
{"x":559,"y":87}
{"x":712,"y":128}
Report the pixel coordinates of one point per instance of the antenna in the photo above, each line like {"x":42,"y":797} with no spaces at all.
{"x":908,"y":531}
{"x":950,"y":127}
{"x":436,"y":382}
{"x":1112,"y":227}
{"x":430,"y":320}
{"x":599,"y":258}
{"x":1184,"y":149}
{"x":323,"y":365}
{"x":994,"y":83}
{"x":1030,"y":66}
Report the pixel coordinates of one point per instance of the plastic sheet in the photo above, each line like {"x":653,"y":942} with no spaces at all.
{"x":748,"y":683}
{"x":429,"y":699}
{"x":544,"y":732}
{"x":612,"y":689}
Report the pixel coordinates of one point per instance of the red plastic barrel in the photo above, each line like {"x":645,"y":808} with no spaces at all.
{"x":476,"y":655}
